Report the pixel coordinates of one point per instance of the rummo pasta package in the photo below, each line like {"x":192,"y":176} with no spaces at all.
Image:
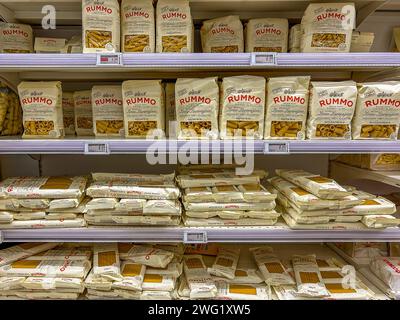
{"x":174,"y":26}
{"x":197,"y":107}
{"x":242,"y":107}
{"x":226,"y":263}
{"x":267,"y":35}
{"x":388,"y":270}
{"x":170,"y":111}
{"x":295,"y":38}
{"x":223,"y":34}
{"x":331,"y":110}
{"x":16,"y":38}
{"x":144,"y":109}
{"x":23,"y":250}
{"x":287,"y":102}
{"x":146,"y":255}
{"x":362,"y":41}
{"x":42,"y":109}
{"x":108,"y":115}
{"x":327,"y":27}
{"x":137,"y":26}
{"x":68,"y":112}
{"x":106,"y":261}
{"x":100,"y":26}
{"x":377,"y":113}
{"x":83,"y":113}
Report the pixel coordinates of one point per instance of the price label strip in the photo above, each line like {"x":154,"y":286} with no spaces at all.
{"x":263,"y":59}
{"x":276,"y":148}
{"x":97,"y":148}
{"x":195,"y":237}
{"x":109,"y":59}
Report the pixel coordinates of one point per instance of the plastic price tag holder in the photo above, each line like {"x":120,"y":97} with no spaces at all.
{"x":109,"y":59}
{"x":276,"y":148}
{"x":195,"y":237}
{"x":97,"y":148}
{"x":263,"y":59}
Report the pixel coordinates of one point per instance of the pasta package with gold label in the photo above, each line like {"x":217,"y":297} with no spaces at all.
{"x":327,"y":27}
{"x":267,"y":35}
{"x":83,"y":113}
{"x":144,"y":108}
{"x":197,"y":107}
{"x":42,"y":109}
{"x":108,"y":115}
{"x":100,"y":26}
{"x":242,"y":107}
{"x":377,"y":113}
{"x":68,"y":112}
{"x":287,"y":102}
{"x":175,"y":31}
{"x":137,"y":26}
{"x":222,"y":35}
{"x":15,"y":38}
{"x":331,"y":109}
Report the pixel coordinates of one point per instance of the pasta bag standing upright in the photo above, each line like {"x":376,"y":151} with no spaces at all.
{"x":15,"y":38}
{"x":41,"y":103}
{"x":83,"y":113}
{"x":287,"y":102}
{"x":174,"y":26}
{"x":100,"y":26}
{"x":170,"y":111}
{"x":242,"y":107}
{"x":68,"y":112}
{"x":295,"y":38}
{"x":377,"y":113}
{"x":331,"y":109}
{"x":137,"y":26}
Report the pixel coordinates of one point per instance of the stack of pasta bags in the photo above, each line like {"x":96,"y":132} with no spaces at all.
{"x":308,"y":277}
{"x":310,"y":201}
{"x":220,"y":273}
{"x":219,"y":197}
{"x":133,"y":199}
{"x":42,"y":202}
{"x":130,"y":271}
{"x":388,"y":271}
{"x":43,"y":271}
{"x":10,"y":112}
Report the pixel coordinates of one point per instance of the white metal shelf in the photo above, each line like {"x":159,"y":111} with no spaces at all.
{"x":214,"y":234}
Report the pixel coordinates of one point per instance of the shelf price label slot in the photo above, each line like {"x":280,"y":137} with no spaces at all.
{"x":109,"y":59}
{"x":195,"y":237}
{"x":276,"y":148}
{"x":263,"y":59}
{"x":97,"y":148}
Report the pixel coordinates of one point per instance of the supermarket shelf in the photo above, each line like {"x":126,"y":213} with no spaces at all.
{"x":340,"y":171}
{"x":214,"y":234}
{"x":16,"y":145}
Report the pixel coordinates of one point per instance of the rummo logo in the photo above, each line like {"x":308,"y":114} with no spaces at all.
{"x":236,"y":151}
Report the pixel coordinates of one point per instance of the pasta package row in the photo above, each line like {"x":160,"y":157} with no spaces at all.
{"x":203,"y":108}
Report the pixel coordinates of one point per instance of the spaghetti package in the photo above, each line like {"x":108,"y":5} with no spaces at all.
{"x":377,"y":113}
{"x":295,"y":38}
{"x":226,"y":263}
{"x":41,"y":103}
{"x":362,"y":41}
{"x":231,"y":291}
{"x":23,"y":250}
{"x":146,"y":255}
{"x":387,"y":269}
{"x":287,"y":102}
{"x":106,"y":261}
{"x":108,"y":115}
{"x":100,"y":26}
{"x":223,"y":34}
{"x":174,"y":26}
{"x":83,"y":113}
{"x":133,"y":275}
{"x":242,"y":107}
{"x":267,"y":35}
{"x":170,"y":111}
{"x":68,"y":112}
{"x":15,"y":38}
{"x":137,"y":26}
{"x":331,"y":110}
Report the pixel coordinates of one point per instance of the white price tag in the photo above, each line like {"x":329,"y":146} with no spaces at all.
{"x":276,"y":147}
{"x":108,"y":59}
{"x":263,"y":59}
{"x":97,"y":148}
{"x":195,"y":237}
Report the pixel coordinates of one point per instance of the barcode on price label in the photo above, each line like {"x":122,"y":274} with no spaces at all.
{"x":108,"y":59}
{"x":97,"y":148}
{"x":266,"y":58}
{"x":276,"y":147}
{"x":195,"y":237}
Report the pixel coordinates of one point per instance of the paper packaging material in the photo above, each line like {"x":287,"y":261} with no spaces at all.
{"x":23,"y":250}
{"x":25,"y":216}
{"x":377,"y":113}
{"x":230,"y":291}
{"x":216,"y":179}
{"x":380,"y":221}
{"x":106,"y":261}
{"x":242,"y":107}
{"x":41,"y":224}
{"x":287,"y":103}
{"x":171,"y":128}
{"x":144,"y":108}
{"x":200,"y":282}
{"x":137,"y":26}
{"x":331,"y":109}
{"x":100,"y":26}
{"x":149,"y":256}
{"x":295,"y":37}
{"x":83,"y":113}
{"x":244,"y":276}
{"x":272,"y":269}
{"x":101,"y":204}
{"x":223,"y":34}
{"x":156,"y":282}
{"x":44,"y":283}
{"x":41,"y":103}
{"x":226,"y":263}
{"x":96,"y":282}
{"x":197,"y":107}
{"x":64,"y":203}
{"x":153,"y":179}
{"x":49,"y":45}
{"x":34,"y":203}
{"x":361,"y":41}
{"x":108,"y":114}
{"x":62,"y":254}
{"x":11,"y":283}
{"x":380,"y":161}
{"x":388,"y":270}
{"x":323,"y":29}
{"x":133,"y":275}
{"x":68,"y":112}
{"x":16,"y":38}
{"x":235,"y":206}
{"x":174,"y":26}
{"x":213,"y":222}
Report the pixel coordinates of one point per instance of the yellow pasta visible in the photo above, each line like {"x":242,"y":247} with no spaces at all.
{"x":141,"y":128}
{"x":377,"y":131}
{"x":285,"y":128}
{"x":41,"y":128}
{"x":173,"y":43}
{"x":97,"y":38}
